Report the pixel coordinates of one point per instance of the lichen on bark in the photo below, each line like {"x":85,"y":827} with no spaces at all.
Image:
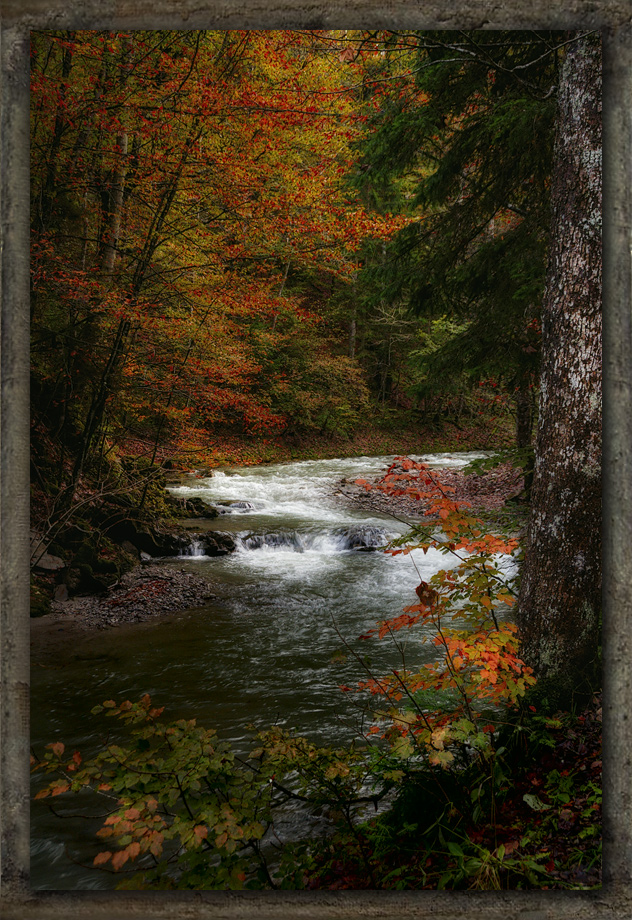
{"x":560,"y":594}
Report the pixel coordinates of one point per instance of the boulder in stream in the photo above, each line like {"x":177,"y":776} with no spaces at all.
{"x":217,"y":544}
{"x":365,"y":538}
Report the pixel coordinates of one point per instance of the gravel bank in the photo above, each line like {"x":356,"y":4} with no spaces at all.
{"x":145,"y":593}
{"x":483,"y":492}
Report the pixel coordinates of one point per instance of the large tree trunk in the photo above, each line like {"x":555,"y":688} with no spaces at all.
{"x":560,"y":595}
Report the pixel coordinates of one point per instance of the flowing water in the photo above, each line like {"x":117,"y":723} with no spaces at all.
{"x":305,"y":576}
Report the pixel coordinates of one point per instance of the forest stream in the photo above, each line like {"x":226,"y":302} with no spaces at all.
{"x":266,"y":650}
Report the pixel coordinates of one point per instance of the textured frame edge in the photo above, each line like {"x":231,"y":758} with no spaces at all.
{"x":18,"y":902}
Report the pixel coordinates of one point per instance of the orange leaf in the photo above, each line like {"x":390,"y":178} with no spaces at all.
{"x":133,"y":849}
{"x":119,"y":859}
{"x":101,"y":858}
{"x":507,"y":599}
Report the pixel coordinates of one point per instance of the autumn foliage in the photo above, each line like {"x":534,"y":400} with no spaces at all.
{"x":188,"y":220}
{"x":180,"y":785}
{"x":459,"y":610}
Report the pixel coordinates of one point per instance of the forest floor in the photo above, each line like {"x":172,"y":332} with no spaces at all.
{"x":545,"y":832}
{"x":400,"y":432}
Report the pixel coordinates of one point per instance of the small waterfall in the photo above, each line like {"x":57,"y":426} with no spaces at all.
{"x":195,"y":548}
{"x":365,"y":538}
{"x":235,"y":507}
{"x":293,"y":541}
{"x":361,"y":539}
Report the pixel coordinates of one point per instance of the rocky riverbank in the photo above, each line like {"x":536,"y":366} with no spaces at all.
{"x":145,"y":593}
{"x":93,"y":591}
{"x":483,"y":492}
{"x":111,"y":570}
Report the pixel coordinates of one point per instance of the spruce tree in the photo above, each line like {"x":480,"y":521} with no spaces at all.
{"x":467,"y":138}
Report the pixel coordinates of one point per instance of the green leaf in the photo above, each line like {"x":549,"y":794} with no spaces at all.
{"x":444,"y":880}
{"x":534,"y":802}
{"x":455,"y":849}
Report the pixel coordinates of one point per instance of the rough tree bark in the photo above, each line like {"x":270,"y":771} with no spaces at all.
{"x":560,"y":594}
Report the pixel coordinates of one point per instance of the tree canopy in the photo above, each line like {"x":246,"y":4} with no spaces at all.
{"x":186,"y":197}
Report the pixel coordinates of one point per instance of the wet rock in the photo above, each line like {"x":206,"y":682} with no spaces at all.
{"x":129,"y":547}
{"x":364,"y":539}
{"x":192,"y":507}
{"x":72,"y":580}
{"x":199,"y":508}
{"x":233,"y":505}
{"x":217,"y":544}
{"x":41,"y":557}
{"x":165,"y":542}
{"x":258,"y":540}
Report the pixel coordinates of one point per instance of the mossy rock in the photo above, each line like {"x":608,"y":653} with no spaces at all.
{"x":40,"y":601}
{"x":82,"y":579}
{"x":86,"y":555}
